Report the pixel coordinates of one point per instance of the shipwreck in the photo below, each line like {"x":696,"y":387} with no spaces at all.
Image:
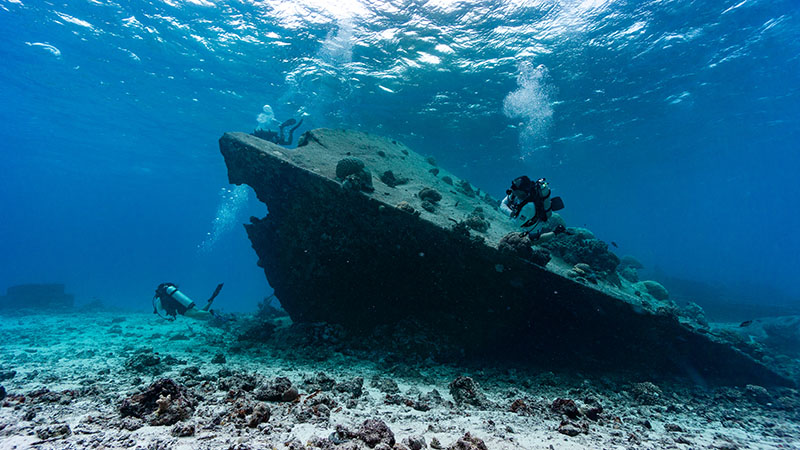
{"x":362,"y":231}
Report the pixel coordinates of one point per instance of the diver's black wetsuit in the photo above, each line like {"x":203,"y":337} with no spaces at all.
{"x":170,"y":306}
{"x":279,"y":137}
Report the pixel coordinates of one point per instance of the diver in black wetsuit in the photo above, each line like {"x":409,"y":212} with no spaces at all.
{"x":529,"y":205}
{"x":279,"y":137}
{"x":171,"y":302}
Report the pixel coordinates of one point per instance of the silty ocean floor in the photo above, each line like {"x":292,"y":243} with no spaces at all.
{"x":132,"y":380}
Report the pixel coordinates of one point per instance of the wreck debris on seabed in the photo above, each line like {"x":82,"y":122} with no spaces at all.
{"x":113,"y":380}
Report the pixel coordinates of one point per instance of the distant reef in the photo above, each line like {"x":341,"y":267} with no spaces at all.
{"x":362,"y":232}
{"x":37,"y":296}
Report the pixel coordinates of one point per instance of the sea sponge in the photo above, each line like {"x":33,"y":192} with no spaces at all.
{"x":654,"y":288}
{"x":348,"y":166}
{"x":429,"y":206}
{"x":574,"y":249}
{"x":629,"y":273}
{"x":516,"y":244}
{"x":405,"y":206}
{"x":461,"y":231}
{"x":477,"y":221}
{"x":695,"y":313}
{"x":354,"y":173}
{"x":430,"y":194}
{"x":519,"y":244}
{"x":388,"y":177}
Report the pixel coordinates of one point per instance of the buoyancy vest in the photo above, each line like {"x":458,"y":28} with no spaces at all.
{"x":540,"y":196}
{"x":536,"y":207}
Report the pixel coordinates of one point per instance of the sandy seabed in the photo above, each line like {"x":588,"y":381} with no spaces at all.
{"x":97,"y":380}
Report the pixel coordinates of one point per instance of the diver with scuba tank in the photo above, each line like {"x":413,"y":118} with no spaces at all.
{"x":530,"y":205}
{"x":168,"y":302}
{"x":279,"y":137}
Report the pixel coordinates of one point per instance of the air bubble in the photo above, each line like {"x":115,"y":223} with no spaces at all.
{"x":226,"y":217}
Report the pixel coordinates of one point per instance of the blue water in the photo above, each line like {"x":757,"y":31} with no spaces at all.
{"x":669,"y":127}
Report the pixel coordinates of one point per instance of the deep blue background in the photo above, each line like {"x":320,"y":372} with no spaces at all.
{"x":674,"y":129}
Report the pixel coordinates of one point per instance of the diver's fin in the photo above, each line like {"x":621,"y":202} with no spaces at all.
{"x":298,"y":124}
{"x":213,"y":296}
{"x":556,"y":204}
{"x":288,"y":122}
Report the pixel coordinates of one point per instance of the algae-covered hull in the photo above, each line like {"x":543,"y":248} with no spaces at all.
{"x":351,"y":256}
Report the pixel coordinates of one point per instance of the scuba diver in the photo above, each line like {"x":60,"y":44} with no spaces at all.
{"x":529,"y":204}
{"x":279,"y":137}
{"x":169,"y":300}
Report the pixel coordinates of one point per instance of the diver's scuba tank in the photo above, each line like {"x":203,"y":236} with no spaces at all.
{"x":171,"y":301}
{"x":544,"y":188}
{"x":185,"y":301}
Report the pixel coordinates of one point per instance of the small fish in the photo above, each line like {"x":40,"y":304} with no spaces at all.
{"x":745,"y":323}
{"x":614,"y":244}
